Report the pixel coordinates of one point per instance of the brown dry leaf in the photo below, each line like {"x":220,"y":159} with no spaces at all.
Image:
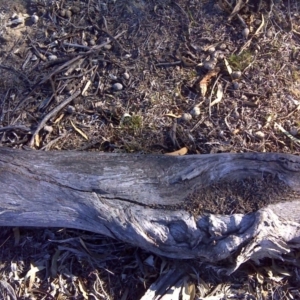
{"x":205,"y":80}
{"x":181,"y":151}
{"x":172,"y":116}
{"x":31,"y":274}
{"x":82,"y":289}
{"x":188,"y":290}
{"x":219,"y":95}
{"x":79,"y":131}
{"x":295,"y":92}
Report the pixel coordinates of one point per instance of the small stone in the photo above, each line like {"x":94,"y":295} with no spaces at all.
{"x":126,"y":76}
{"x":236,"y":75}
{"x":294,"y":131}
{"x":112,"y":76}
{"x":195,"y":111}
{"x":186,"y":117}
{"x":92,"y":42}
{"x":48,"y":128}
{"x":52,"y":57}
{"x":269,"y":33}
{"x":117,"y":86}
{"x":209,"y":65}
{"x":235,"y":85}
{"x":71,"y":109}
{"x":33,"y":58}
{"x":34,"y":19}
{"x":246,"y":32}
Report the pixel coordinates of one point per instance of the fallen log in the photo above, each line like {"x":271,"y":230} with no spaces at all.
{"x":170,"y":205}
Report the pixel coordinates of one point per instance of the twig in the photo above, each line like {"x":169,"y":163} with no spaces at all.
{"x":296,"y":141}
{"x":168,"y":64}
{"x":51,"y":114}
{"x":212,"y":90}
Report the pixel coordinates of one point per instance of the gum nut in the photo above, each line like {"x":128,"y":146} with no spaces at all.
{"x":75,"y":9}
{"x":62,"y":13}
{"x":195,"y":111}
{"x":68,"y":13}
{"x":236,"y":75}
{"x":92,"y":42}
{"x":260,"y":135}
{"x":246,"y":32}
{"x":126,"y":76}
{"x":117,"y":86}
{"x":223,"y":46}
{"x":34,"y":19}
{"x":211,"y":50}
{"x":208,"y":65}
{"x":186,"y":117}
{"x":70,"y":109}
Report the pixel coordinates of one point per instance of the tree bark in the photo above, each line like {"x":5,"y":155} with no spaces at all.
{"x":127,"y":197}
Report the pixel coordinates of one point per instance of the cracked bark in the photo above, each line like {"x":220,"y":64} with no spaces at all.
{"x":117,"y":195}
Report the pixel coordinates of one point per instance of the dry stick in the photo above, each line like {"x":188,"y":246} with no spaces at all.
{"x":212,"y":90}
{"x":51,"y":114}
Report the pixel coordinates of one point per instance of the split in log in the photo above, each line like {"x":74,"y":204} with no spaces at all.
{"x":201,"y":206}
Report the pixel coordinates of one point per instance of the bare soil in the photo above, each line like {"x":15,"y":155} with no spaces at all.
{"x":149,"y":77}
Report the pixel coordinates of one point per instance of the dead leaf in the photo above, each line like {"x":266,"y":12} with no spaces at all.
{"x":229,"y":70}
{"x":188,"y":290}
{"x":31,"y":274}
{"x":16,"y":231}
{"x":82,"y":289}
{"x":260,"y":278}
{"x":219,"y":95}
{"x":84,"y":246}
{"x":83,"y":93}
{"x":182,"y":151}
{"x":172,"y":116}
{"x":205,"y":80}
{"x":54,"y":263}
{"x":59,"y":118}
{"x":79,"y":131}
{"x":37,"y":140}
{"x":239,"y":5}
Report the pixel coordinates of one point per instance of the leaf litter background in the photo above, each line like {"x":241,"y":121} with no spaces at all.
{"x":151,"y":77}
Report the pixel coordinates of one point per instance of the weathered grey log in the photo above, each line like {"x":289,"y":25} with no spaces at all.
{"x":111,"y":194}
